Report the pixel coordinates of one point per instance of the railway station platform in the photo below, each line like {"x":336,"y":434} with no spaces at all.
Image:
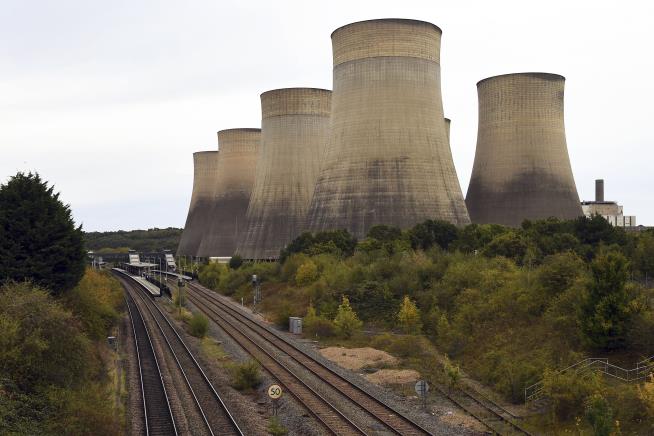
{"x":152,"y":289}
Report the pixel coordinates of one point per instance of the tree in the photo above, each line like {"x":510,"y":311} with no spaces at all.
{"x":409,"y":317}
{"x":307,"y":273}
{"x":605,"y":312}
{"x":599,"y":414}
{"x":644,"y":256}
{"x":38,"y":238}
{"x":346,"y":321}
{"x":430,"y":232}
{"x":235,"y":262}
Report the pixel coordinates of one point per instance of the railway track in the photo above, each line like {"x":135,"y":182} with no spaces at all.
{"x":157,"y":415}
{"x":215,"y":414}
{"x":237,"y":324}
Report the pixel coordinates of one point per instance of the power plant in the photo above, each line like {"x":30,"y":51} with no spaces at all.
{"x":199,"y":211}
{"x":238,"y":153}
{"x":294,"y":130}
{"x":521,"y":168}
{"x":387,"y":159}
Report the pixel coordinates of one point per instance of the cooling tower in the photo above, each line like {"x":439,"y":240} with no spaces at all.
{"x":294,"y":129}
{"x":521,"y":169}
{"x":239,"y":150}
{"x":387,"y":160}
{"x":198,"y":218}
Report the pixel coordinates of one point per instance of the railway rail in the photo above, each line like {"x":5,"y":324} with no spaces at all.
{"x":216,"y":416}
{"x":236,"y":324}
{"x":157,"y":415}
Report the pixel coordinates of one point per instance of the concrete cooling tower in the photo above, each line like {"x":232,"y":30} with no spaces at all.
{"x":521,"y":169}
{"x":387,"y":159}
{"x":239,"y":150}
{"x":294,"y":129}
{"x":198,"y":218}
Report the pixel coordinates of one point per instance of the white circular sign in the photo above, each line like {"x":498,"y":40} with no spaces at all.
{"x":274,"y":391}
{"x":422,"y":387}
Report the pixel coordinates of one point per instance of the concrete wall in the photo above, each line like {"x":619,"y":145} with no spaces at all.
{"x":521,"y":168}
{"x":198,"y":218}
{"x":294,"y":130}
{"x":388,"y":160}
{"x":239,"y":150}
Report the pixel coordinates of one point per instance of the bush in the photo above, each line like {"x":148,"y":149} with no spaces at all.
{"x":276,"y":428}
{"x":409,"y":317}
{"x":569,"y":391}
{"x":599,"y":414}
{"x":246,"y":375}
{"x":317,"y":326}
{"x":198,"y":325}
{"x":306,"y":274}
{"x":346,"y":320}
{"x":235,"y":262}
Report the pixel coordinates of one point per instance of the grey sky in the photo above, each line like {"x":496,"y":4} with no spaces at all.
{"x":108,"y":100}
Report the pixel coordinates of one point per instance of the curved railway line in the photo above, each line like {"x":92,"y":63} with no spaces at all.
{"x":215,"y":414}
{"x":245,"y":331}
{"x":488,"y":412}
{"x":157,"y":415}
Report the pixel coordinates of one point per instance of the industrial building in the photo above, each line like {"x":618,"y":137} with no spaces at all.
{"x":238,"y":153}
{"x":205,"y":171}
{"x":387,"y":159}
{"x":294,"y":131}
{"x":610,"y":210}
{"x":521,"y":168}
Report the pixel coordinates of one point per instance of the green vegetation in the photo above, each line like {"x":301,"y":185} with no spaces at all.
{"x":38,"y":238}
{"x":198,"y":325}
{"x":53,"y":359}
{"x":508,"y":306}
{"x":140,"y":240}
{"x":246,"y":375}
{"x":276,"y":428}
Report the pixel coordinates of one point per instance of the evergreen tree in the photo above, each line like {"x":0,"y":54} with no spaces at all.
{"x":346,"y":321}
{"x":409,"y":317}
{"x":605,"y":313}
{"x":38,"y":238}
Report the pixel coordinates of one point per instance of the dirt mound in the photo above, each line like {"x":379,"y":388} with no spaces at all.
{"x":393,"y":376}
{"x":357,"y":358}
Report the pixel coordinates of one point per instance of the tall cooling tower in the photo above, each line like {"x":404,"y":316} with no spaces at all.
{"x":294,"y":129}
{"x":239,"y":150}
{"x":198,"y":218}
{"x":388,"y":160}
{"x":522,"y":169}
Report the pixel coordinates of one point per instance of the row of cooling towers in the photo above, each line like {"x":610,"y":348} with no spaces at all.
{"x":376,"y":151}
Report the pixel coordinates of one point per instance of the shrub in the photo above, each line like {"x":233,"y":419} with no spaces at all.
{"x":409,"y":317}
{"x":452,"y":374}
{"x":198,"y":325}
{"x":346,"y":321}
{"x":306,"y":274}
{"x":235,"y":262}
{"x":599,"y":414}
{"x":276,"y":428}
{"x":569,"y":391}
{"x":317,"y":326}
{"x":246,"y":375}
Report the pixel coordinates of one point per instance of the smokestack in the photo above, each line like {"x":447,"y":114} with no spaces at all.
{"x":388,"y":159}
{"x":521,"y":169}
{"x":294,"y":129}
{"x":599,"y":190}
{"x":198,"y":218}
{"x":239,"y":150}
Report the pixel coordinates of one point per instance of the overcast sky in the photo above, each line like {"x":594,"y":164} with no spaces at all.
{"x":108,"y":100}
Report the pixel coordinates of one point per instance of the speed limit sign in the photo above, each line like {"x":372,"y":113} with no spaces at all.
{"x":274,"y":391}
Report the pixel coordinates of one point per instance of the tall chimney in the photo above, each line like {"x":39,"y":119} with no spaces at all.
{"x":599,"y":190}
